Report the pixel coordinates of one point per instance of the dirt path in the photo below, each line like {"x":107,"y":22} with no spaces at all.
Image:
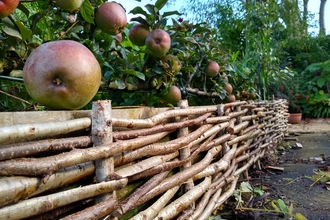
{"x":294,"y":184}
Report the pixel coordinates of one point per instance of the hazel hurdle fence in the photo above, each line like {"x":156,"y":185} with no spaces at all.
{"x":132,"y":162}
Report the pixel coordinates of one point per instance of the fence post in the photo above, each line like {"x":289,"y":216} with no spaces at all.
{"x":185,"y":152}
{"x":102,"y":135}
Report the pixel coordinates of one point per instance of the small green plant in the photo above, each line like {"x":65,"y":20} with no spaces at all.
{"x":280,"y":206}
{"x":283,"y":145}
{"x":321,"y":176}
{"x":246,"y":191}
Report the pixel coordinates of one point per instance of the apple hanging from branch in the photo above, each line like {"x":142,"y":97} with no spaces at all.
{"x":7,"y":7}
{"x":62,"y":75}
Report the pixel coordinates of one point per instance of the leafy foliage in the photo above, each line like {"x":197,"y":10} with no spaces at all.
{"x":254,"y":47}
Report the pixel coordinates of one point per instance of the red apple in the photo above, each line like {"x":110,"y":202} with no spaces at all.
{"x":7,"y":7}
{"x":111,"y":18}
{"x":158,"y":42}
{"x":231,"y":98}
{"x":69,"y":5}
{"x":173,"y":96}
{"x":62,"y":75}
{"x":228,"y":88}
{"x":212,"y":69}
{"x":138,"y":34}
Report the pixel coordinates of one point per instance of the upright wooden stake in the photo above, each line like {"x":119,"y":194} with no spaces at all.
{"x":185,"y":152}
{"x":102,"y":135}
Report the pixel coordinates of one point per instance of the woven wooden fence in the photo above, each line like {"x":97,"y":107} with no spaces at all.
{"x":132,"y":163}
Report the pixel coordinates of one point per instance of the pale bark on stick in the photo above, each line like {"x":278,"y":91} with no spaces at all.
{"x":173,"y":164}
{"x":151,"y":212}
{"x":96,"y":211}
{"x":185,"y":213}
{"x":224,"y":197}
{"x":157,"y":169}
{"x":238,"y":113}
{"x":122,"y":135}
{"x":243,"y":148}
{"x":35,"y":206}
{"x":129,"y":203}
{"x":173,"y":209}
{"x":240,"y":127}
{"x":218,"y":200}
{"x":239,"y":109}
{"x":240,"y":138}
{"x":40,"y":166}
{"x":102,"y":135}
{"x":250,"y":128}
{"x":144,"y":165}
{"x":246,"y":166}
{"x":249,"y":117}
{"x":247,"y":155}
{"x":230,"y":128}
{"x":250,"y":106}
{"x":181,"y":177}
{"x":159,"y":118}
{"x":216,"y":167}
{"x":223,"y":180}
{"x":214,"y":130}
{"x":202,"y":93}
{"x":185,"y":152}
{"x":167,"y":147}
{"x":26,"y":149}
{"x":16,"y":188}
{"x":218,"y":119}
{"x":17,"y":133}
{"x":260,"y":109}
{"x":208,"y":209}
{"x":200,"y":206}
{"x":218,"y":141}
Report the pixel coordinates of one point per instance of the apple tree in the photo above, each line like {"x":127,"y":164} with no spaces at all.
{"x":134,"y":70}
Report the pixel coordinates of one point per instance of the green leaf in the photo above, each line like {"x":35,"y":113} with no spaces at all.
{"x":25,"y":32}
{"x":141,"y":21}
{"x":87,"y":11}
{"x":2,"y":37}
{"x":245,"y":187}
{"x":314,"y":67}
{"x":169,"y":13}
{"x":191,"y":40}
{"x":161,"y":22}
{"x":138,"y":10}
{"x":120,"y":84}
{"x":132,"y":57}
{"x":282,"y":206}
{"x":10,"y":28}
{"x":134,"y":73}
{"x":299,"y":216}
{"x":160,"y":4}
{"x":290,"y":210}
{"x":274,"y":206}
{"x":258,"y":191}
{"x":150,"y":8}
{"x":24,"y":9}
{"x":320,"y":82}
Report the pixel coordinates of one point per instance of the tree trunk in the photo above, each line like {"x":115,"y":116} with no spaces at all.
{"x":321,"y":17}
{"x":305,"y":15}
